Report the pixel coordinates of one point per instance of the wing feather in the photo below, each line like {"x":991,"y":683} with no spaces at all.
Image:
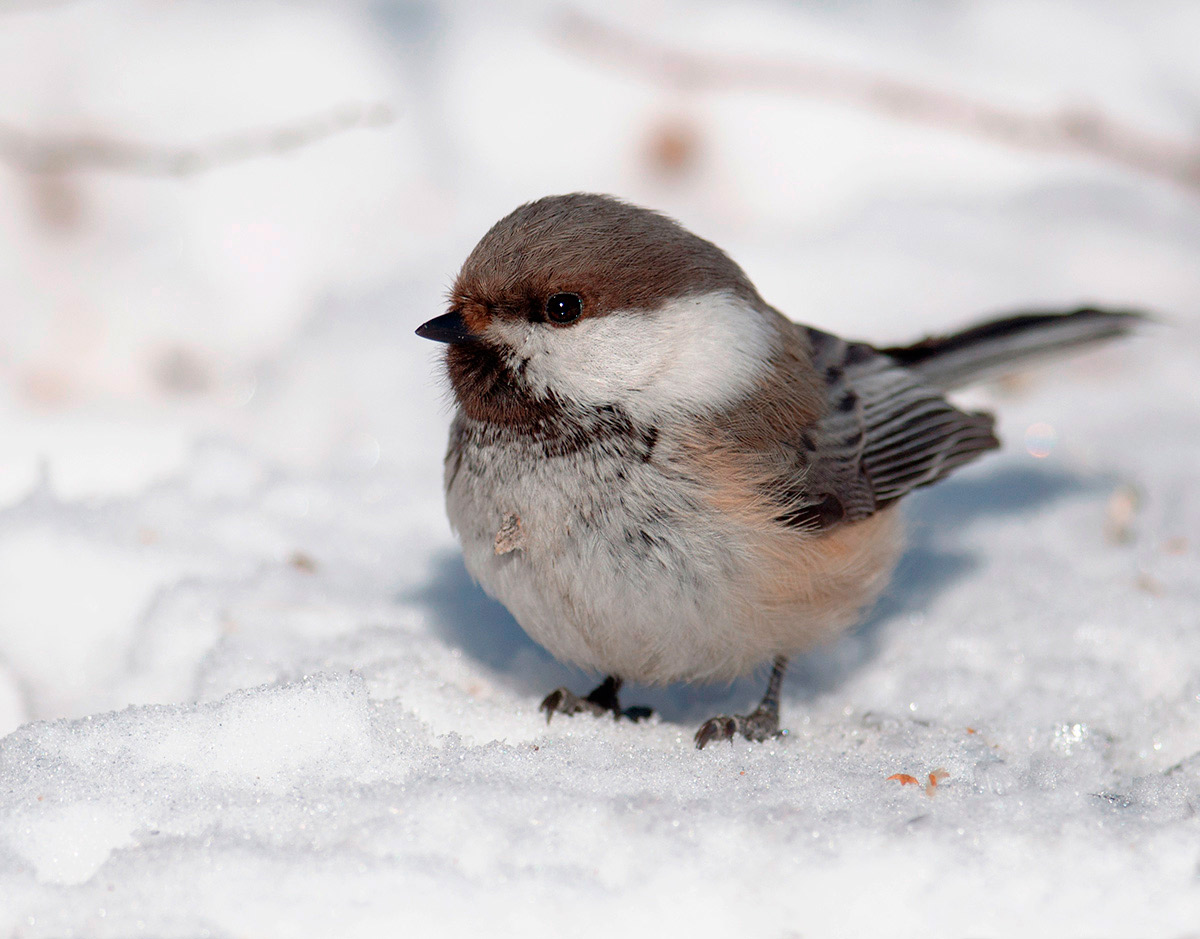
{"x":885,"y":432}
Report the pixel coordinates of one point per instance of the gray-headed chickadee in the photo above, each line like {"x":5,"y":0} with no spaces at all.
{"x":662,"y":477}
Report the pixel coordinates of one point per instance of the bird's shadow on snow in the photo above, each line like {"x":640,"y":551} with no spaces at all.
{"x":466,"y":618}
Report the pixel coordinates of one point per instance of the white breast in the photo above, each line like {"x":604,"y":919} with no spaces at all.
{"x":619,"y":565}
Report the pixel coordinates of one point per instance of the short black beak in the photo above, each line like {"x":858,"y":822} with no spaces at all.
{"x":448,"y":327}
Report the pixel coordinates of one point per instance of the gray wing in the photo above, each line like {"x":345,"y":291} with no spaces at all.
{"x":885,"y":432}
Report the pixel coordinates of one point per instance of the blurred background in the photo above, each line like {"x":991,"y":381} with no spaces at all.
{"x":220,"y":223}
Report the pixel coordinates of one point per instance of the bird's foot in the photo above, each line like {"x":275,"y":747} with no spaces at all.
{"x":759,"y":725}
{"x":565,"y":701}
{"x":602,"y":700}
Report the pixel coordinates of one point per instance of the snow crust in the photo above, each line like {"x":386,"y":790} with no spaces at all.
{"x":247,"y":685}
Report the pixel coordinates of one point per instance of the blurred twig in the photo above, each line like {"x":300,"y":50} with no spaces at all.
{"x":23,"y":6}
{"x":47,"y":153}
{"x":1073,"y":131}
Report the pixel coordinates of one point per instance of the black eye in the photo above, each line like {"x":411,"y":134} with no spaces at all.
{"x":564,"y":308}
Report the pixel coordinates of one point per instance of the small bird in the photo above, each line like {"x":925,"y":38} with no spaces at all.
{"x":662,"y":477}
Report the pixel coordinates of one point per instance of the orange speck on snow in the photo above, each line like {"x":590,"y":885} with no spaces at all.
{"x":934,"y":778}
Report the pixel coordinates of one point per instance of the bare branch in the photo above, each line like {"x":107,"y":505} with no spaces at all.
{"x":68,"y":153}
{"x":24,"y":6}
{"x":1078,"y":132}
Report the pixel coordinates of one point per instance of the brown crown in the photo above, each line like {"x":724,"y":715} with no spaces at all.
{"x":615,"y":256}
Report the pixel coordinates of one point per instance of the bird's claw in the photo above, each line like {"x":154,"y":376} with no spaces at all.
{"x":758,"y":726}
{"x":565,"y":701}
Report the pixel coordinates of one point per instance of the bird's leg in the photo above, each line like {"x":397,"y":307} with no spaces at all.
{"x":759,"y":724}
{"x":602,"y":700}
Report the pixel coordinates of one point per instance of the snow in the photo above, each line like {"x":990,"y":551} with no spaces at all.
{"x":247,"y":685}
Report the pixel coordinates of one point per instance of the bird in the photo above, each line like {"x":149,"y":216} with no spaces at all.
{"x":662,"y":477}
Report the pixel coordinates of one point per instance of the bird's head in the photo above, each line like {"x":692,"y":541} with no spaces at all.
{"x":579,"y":302}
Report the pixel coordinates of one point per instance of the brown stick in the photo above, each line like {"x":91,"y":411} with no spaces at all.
{"x":73,"y":152}
{"x":1070,"y":131}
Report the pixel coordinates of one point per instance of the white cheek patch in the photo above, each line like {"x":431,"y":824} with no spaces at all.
{"x":691,"y":355}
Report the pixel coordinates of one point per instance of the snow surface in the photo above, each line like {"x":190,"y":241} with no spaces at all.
{"x":248,"y":686}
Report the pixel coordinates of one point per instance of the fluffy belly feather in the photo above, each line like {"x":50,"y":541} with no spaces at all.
{"x":620,"y":565}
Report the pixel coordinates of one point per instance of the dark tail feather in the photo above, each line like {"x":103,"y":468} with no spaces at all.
{"x":1002,"y":345}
